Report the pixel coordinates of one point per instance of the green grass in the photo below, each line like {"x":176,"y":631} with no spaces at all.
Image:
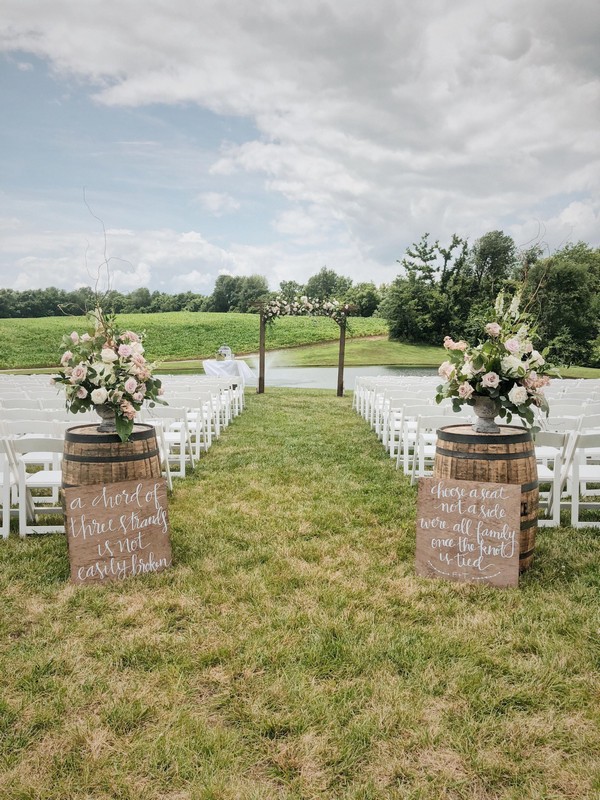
{"x":291,"y":652}
{"x":173,"y":336}
{"x":362,"y":352}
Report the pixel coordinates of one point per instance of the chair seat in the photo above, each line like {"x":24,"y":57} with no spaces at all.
{"x":45,"y":478}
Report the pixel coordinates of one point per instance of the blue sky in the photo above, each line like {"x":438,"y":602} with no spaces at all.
{"x":225,"y":137}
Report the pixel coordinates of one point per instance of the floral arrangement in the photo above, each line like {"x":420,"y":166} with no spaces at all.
{"x":503,"y":366}
{"x":306,"y":306}
{"x":107,"y":367}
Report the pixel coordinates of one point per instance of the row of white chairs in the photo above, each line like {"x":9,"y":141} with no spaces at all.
{"x":32,"y":440}
{"x":403,"y":415}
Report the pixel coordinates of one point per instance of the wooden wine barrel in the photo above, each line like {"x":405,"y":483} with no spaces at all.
{"x":92,"y":458}
{"x":505,"y":457}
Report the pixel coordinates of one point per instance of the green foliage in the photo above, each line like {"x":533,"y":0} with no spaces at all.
{"x":173,"y":337}
{"x":415,"y":310}
{"x":327,"y":285}
{"x":564,"y":292}
{"x":366,"y":298}
{"x":447,"y":291}
{"x":237,"y":293}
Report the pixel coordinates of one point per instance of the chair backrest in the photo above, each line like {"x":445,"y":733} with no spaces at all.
{"x":587,"y":441}
{"x":31,"y":444}
{"x":590,"y":422}
{"x":556,"y":439}
{"x":26,"y":427}
{"x":24,"y":413}
{"x":19,"y":402}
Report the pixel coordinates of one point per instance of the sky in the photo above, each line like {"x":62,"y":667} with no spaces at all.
{"x":184,"y":140}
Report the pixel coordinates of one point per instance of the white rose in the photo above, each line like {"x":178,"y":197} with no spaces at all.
{"x":99,"y":396}
{"x":536,"y":359}
{"x":137,"y":349}
{"x":511,"y":365}
{"x":108,"y":355}
{"x":518,"y":395}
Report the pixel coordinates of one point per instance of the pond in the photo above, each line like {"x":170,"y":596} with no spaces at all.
{"x":326,"y":377}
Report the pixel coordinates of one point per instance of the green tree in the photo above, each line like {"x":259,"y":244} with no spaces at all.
{"x":328,"y":285}
{"x":289,"y":290}
{"x":366,"y":298}
{"x":563,"y":291}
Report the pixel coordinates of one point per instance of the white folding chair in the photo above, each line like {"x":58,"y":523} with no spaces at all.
{"x":9,"y":484}
{"x":550,"y":452}
{"x":423,"y":457}
{"x":176,"y":435}
{"x":31,"y":503}
{"x":585,"y":470}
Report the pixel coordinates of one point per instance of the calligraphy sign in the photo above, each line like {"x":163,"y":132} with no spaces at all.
{"x":468,"y":531}
{"x":116,"y":530}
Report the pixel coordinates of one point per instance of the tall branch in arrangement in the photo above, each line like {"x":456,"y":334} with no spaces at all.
{"x":304,"y":307}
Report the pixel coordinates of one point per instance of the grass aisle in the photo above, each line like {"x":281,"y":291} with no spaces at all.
{"x":291,"y":652}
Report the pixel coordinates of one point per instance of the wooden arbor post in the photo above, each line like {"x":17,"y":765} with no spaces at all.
{"x":261,"y":356}
{"x":340,"y":380}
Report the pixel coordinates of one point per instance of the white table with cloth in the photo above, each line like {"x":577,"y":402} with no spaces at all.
{"x":229,"y":368}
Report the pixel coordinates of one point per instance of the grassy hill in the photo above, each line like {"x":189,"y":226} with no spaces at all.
{"x":173,"y":336}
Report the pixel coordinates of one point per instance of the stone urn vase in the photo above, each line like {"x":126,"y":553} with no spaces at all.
{"x":485,"y":410}
{"x":108,"y":416}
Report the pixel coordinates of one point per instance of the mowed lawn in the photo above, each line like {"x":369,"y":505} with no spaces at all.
{"x":291,"y":652}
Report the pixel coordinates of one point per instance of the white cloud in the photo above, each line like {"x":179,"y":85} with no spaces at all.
{"x":218,"y":203}
{"x":376,"y":121}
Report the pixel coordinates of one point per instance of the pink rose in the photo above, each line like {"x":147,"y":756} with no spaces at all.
{"x":490,"y":380}
{"x":124,"y":350}
{"x":75,"y":337}
{"x":446,"y":370}
{"x":82,"y":393}
{"x":493,"y":329}
{"x":79,"y":373}
{"x":465,"y":390}
{"x":138,"y":397}
{"x":66,"y":357}
{"x":130,"y":385}
{"x":129,"y":336}
{"x":512,"y":345}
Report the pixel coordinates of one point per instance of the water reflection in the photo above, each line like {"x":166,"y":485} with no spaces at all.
{"x":319,"y":377}
{"x":326,"y":377}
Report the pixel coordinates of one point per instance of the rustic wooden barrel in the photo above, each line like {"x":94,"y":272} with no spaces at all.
{"x":505,"y":457}
{"x":92,"y":458}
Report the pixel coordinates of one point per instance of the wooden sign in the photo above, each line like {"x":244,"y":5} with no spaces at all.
{"x":117,"y":530}
{"x":468,"y":531}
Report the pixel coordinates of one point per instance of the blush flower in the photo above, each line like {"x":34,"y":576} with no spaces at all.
{"x":493,"y":329}
{"x":490,"y":380}
{"x":130,"y":385}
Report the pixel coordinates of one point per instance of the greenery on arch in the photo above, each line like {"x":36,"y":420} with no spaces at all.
{"x":306,"y":307}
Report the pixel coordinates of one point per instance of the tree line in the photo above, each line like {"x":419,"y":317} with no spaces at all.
{"x":442,"y":290}
{"x":238,"y":293}
{"x":447,"y":290}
